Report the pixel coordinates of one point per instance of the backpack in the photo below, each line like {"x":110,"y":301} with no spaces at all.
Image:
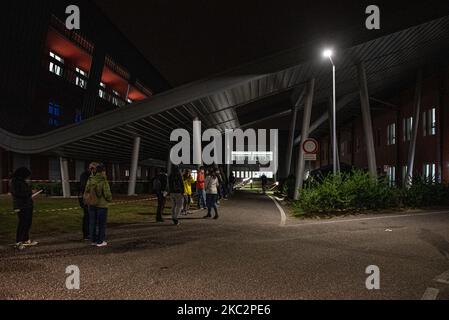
{"x":90,"y":198}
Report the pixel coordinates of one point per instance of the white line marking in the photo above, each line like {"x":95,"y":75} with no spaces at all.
{"x":283,"y":215}
{"x":443,"y":278}
{"x":366,"y":219}
{"x":430,"y":294}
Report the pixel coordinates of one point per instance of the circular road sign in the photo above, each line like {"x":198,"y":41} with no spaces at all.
{"x":310,"y":146}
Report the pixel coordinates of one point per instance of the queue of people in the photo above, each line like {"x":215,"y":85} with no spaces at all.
{"x":95,"y":196}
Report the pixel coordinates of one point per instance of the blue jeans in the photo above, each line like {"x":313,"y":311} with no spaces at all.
{"x":202,"y":198}
{"x":97,"y":224}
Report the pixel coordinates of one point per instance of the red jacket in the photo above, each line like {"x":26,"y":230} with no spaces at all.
{"x":200,"y":181}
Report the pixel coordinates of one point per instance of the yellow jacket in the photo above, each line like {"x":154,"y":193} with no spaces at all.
{"x":188,"y":185}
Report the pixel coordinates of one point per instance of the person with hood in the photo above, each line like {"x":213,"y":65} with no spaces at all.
{"x":84,"y":178}
{"x":176,"y":187}
{"x":98,"y":196}
{"x":23,"y":205}
{"x":188,"y":182}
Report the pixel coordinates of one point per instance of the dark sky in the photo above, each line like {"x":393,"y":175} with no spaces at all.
{"x":188,"y":40}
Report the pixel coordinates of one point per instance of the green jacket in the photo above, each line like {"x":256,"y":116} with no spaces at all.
{"x":102,"y":188}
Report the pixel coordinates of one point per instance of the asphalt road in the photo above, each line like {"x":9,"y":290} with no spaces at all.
{"x":251,"y":252}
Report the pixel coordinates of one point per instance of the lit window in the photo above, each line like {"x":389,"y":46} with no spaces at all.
{"x":391,"y":134}
{"x":115,"y":98}
{"x":429,"y":122}
{"x":102,"y":91}
{"x":391,"y":175}
{"x":404,"y":174}
{"x":127,"y":173}
{"x":56,"y":64}
{"x":54,"y":112}
{"x":81,"y":78}
{"x":129,"y":101}
{"x":429,"y":172}
{"x":408,"y":128}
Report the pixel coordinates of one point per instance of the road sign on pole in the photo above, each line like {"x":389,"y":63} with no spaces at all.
{"x":310,"y":148}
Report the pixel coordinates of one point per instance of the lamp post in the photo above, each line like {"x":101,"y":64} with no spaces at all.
{"x":328,"y":54}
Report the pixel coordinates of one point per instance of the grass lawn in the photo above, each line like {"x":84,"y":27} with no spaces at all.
{"x":60,"y":221}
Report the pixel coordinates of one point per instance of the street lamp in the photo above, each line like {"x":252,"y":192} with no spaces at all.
{"x":328,"y":53}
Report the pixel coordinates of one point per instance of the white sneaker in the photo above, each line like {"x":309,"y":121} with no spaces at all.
{"x":30,"y":243}
{"x":19,"y":246}
{"x":104,"y":244}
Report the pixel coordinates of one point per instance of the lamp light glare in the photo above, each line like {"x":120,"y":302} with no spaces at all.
{"x":328,"y":53}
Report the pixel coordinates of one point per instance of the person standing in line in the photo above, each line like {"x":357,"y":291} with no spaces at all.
{"x":200,"y":184}
{"x":160,"y":188}
{"x":23,"y":205}
{"x":176,"y":187}
{"x":188,"y":182}
{"x":84,"y":178}
{"x":100,"y":196}
{"x":219,"y":189}
{"x":212,"y":186}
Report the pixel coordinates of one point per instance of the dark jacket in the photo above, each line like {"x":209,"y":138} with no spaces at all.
{"x":160,"y":184}
{"x":176,"y":184}
{"x":82,"y":187}
{"x":21,"y":191}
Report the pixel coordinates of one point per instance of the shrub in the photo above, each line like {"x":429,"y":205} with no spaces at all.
{"x":424,"y":193}
{"x":347,"y":192}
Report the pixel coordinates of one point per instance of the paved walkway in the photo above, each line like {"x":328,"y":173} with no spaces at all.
{"x":252,"y":252}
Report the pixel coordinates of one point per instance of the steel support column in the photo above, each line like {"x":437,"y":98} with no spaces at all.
{"x":291,"y":141}
{"x":416,"y":119}
{"x":134,"y":167}
{"x":65,"y":177}
{"x":305,"y":134}
{"x":367,"y":122}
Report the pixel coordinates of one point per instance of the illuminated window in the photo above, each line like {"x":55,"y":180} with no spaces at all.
{"x":408,"y":127}
{"x":54,"y":112}
{"x":56,"y":64}
{"x":391,"y":134}
{"x":81,"y":78}
{"x":391,"y":175}
{"x":430,"y":122}
{"x":429,"y":172}
{"x":102,"y":91}
{"x":115,"y":98}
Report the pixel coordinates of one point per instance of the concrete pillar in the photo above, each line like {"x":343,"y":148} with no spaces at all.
{"x":291,"y":141}
{"x":169,"y":164}
{"x":367,"y":122}
{"x":134,"y":167}
{"x":65,"y":177}
{"x":416,"y":119}
{"x":305,"y":135}
{"x":197,"y":143}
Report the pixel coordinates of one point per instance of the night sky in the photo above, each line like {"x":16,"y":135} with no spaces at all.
{"x":191,"y":40}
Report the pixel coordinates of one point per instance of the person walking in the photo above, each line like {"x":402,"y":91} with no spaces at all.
{"x":98,"y":196}
{"x":232,"y":181}
{"x":84,"y":178}
{"x":176,"y":187}
{"x":264,"y":183}
{"x":200,"y":184}
{"x":160,"y":188}
{"x":212,"y":186}
{"x":23,"y":205}
{"x":188,"y":182}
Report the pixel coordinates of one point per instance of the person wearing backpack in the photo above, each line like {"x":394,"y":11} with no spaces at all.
{"x":160,"y":188}
{"x":82,"y":189}
{"x":98,"y":196}
{"x":176,"y":187}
